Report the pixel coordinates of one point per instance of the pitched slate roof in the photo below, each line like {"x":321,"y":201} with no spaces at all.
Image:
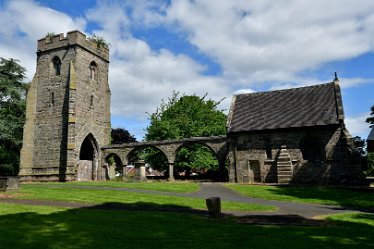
{"x":371,"y":135}
{"x":298,"y":107}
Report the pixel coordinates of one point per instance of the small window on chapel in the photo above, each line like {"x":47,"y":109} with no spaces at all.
{"x":93,"y":71}
{"x":56,"y":66}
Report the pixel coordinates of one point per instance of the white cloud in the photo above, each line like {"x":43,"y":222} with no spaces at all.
{"x":23,"y":22}
{"x":243,"y":91}
{"x":274,"y":40}
{"x":351,"y":82}
{"x":357,"y":126}
{"x":252,"y":42}
{"x":140,"y":77}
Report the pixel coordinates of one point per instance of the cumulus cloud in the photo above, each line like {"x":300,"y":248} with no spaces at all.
{"x":267,"y":40}
{"x":258,"y":45}
{"x":23,"y":22}
{"x":357,"y":126}
{"x":141,"y":77}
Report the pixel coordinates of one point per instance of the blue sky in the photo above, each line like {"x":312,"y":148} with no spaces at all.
{"x":216,"y":47}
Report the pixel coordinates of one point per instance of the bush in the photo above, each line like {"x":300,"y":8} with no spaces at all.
{"x":6,"y":170}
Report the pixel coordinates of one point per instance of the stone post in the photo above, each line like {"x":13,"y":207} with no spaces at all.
{"x":140,"y":170}
{"x":214,"y":206}
{"x":9,"y":183}
{"x":124,"y":171}
{"x":171,"y":172}
{"x":143,"y":176}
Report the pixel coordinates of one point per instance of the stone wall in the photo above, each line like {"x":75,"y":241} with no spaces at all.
{"x":320,"y":155}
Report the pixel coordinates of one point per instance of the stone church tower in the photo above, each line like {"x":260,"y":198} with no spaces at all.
{"x":68,"y":111}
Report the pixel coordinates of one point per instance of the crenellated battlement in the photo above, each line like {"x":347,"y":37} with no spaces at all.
{"x":73,"y":38}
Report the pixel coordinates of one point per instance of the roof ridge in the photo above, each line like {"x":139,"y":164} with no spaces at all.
{"x":287,"y":89}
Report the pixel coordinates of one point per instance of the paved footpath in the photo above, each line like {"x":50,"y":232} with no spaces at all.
{"x":285,"y":209}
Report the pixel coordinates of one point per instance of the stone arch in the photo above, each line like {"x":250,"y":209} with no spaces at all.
{"x":190,"y":143}
{"x":215,"y":149}
{"x":93,"y":70}
{"x":56,"y":66}
{"x":163,"y":164}
{"x":88,"y":159}
{"x":112,"y":168}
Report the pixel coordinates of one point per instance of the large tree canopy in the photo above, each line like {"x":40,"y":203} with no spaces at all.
{"x":184,"y":117}
{"x":370,"y":119}
{"x":12,"y":114}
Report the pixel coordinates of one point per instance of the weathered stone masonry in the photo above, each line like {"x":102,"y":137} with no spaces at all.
{"x":287,"y":136}
{"x":291,"y":136}
{"x":68,"y":103}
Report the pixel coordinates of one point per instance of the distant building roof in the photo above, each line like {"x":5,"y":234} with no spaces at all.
{"x":298,"y":107}
{"x":371,"y":135}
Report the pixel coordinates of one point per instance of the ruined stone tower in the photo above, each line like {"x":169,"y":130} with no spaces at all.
{"x":68,"y":110}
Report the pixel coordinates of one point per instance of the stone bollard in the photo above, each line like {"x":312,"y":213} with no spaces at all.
{"x":214,"y":206}
{"x":9,"y":183}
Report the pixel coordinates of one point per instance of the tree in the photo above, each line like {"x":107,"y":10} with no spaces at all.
{"x":120,"y":136}
{"x":187,"y":116}
{"x":183,"y":117}
{"x":12,"y":114}
{"x":370,"y":119}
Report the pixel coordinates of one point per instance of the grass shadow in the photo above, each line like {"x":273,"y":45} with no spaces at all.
{"x":116,"y":225}
{"x":360,"y":199}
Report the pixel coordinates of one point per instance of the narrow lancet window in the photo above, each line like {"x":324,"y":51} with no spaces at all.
{"x":93,"y":71}
{"x":56,"y":66}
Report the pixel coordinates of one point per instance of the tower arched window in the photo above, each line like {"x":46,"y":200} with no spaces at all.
{"x":56,"y":62}
{"x":93,"y":71}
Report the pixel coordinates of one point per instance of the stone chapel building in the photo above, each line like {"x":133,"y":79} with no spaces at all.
{"x":291,"y":136}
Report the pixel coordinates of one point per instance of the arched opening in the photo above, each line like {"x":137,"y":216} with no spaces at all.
{"x":199,"y":161}
{"x":88,"y":160}
{"x":113,"y":166}
{"x":56,"y":65}
{"x":155,"y":162}
{"x":93,"y":70}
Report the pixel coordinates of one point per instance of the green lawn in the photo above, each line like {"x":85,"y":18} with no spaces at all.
{"x":179,"y":187}
{"x":318,"y":195}
{"x":23,"y":226}
{"x":62,"y":192}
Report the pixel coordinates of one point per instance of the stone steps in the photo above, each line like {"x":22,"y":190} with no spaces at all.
{"x":284,"y":166}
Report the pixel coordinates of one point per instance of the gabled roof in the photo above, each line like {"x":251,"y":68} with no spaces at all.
{"x":371,"y":135}
{"x":298,"y":107}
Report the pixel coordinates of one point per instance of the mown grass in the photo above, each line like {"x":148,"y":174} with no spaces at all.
{"x":178,"y":187}
{"x":24,"y":226}
{"x":318,"y":195}
{"x":133,"y":199}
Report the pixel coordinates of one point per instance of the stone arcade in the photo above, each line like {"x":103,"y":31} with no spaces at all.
{"x":295,"y":135}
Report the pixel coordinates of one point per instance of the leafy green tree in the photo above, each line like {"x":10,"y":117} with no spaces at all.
{"x":370,"y":119}
{"x":12,"y":114}
{"x":184,"y":117}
